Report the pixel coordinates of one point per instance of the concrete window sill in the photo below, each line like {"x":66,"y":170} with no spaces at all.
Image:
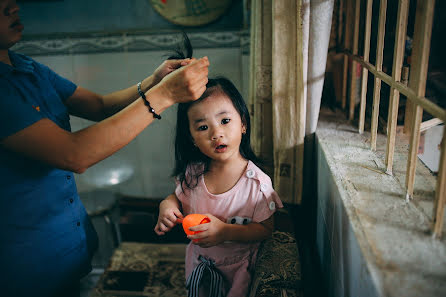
{"x":371,"y":241}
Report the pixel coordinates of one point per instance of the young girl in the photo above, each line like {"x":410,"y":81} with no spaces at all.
{"x":217,"y":176}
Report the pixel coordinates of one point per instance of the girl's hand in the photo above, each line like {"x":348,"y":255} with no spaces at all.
{"x":169,"y":216}
{"x":210,"y":234}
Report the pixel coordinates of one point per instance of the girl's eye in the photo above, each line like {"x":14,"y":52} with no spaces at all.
{"x":202,"y":128}
{"x":225,"y":121}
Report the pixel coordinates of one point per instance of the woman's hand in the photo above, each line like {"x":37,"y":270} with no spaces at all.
{"x":169,"y":216}
{"x":184,"y":84}
{"x":167,"y":67}
{"x":210,"y":234}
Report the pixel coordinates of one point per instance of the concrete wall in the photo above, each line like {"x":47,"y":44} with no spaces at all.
{"x":343,"y":266}
{"x":80,"y":16}
{"x":371,"y":241}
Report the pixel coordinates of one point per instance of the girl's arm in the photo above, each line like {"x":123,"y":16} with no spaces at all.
{"x":249,"y":233}
{"x":216,"y":232}
{"x":168,"y":215}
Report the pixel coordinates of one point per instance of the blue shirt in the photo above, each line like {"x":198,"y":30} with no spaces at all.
{"x":46,"y":237}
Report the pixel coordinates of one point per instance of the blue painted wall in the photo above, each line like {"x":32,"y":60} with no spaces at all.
{"x":83,"y":16}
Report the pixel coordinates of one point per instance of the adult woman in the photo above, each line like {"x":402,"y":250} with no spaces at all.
{"x":46,"y":237}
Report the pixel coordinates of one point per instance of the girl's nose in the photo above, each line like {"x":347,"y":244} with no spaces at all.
{"x":216,"y":133}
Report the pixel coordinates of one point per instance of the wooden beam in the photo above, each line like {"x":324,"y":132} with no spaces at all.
{"x":414,"y":142}
{"x":368,"y":29}
{"x":440,"y":193}
{"x":348,"y":21}
{"x":344,"y":82}
{"x":378,"y":69}
{"x":426,"y":125}
{"x":408,"y":110}
{"x":398,"y":56}
{"x":425,"y":103}
{"x":417,"y":81}
{"x":353,"y":79}
{"x":340,"y":33}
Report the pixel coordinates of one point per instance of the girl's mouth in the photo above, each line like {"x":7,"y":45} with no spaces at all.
{"x":221,"y":148}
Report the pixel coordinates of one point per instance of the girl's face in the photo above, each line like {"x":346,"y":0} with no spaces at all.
{"x":216,"y":127}
{"x":10,"y":26}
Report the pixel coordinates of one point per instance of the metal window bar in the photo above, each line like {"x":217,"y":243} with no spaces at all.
{"x":414,"y":91}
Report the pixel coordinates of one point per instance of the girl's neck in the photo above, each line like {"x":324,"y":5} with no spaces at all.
{"x":223,"y":176}
{"x":236,"y":164}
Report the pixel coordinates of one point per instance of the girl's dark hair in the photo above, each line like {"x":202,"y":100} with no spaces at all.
{"x":186,"y":153}
{"x":182,"y":51}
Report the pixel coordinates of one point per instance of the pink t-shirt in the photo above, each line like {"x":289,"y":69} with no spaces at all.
{"x":252,"y":199}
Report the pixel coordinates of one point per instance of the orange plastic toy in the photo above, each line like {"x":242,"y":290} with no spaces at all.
{"x":194,"y":219}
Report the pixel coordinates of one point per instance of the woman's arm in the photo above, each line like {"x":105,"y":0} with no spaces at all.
{"x":46,"y":142}
{"x":89,"y":105}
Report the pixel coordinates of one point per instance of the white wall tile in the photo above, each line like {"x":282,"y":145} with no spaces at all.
{"x":147,"y":162}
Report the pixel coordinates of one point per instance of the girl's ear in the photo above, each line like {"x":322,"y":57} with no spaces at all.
{"x":193,"y":141}
{"x":243,"y":125}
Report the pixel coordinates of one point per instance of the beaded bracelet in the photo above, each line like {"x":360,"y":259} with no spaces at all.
{"x":147,"y":103}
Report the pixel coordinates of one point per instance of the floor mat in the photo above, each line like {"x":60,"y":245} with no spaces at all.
{"x":142,"y":269}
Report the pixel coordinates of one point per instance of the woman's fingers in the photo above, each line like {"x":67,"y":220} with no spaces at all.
{"x":199,"y":85}
{"x":187,"y":83}
{"x":197,"y":69}
{"x":187,"y":61}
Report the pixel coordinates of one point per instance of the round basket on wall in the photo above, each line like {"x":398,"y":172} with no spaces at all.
{"x":191,"y":12}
